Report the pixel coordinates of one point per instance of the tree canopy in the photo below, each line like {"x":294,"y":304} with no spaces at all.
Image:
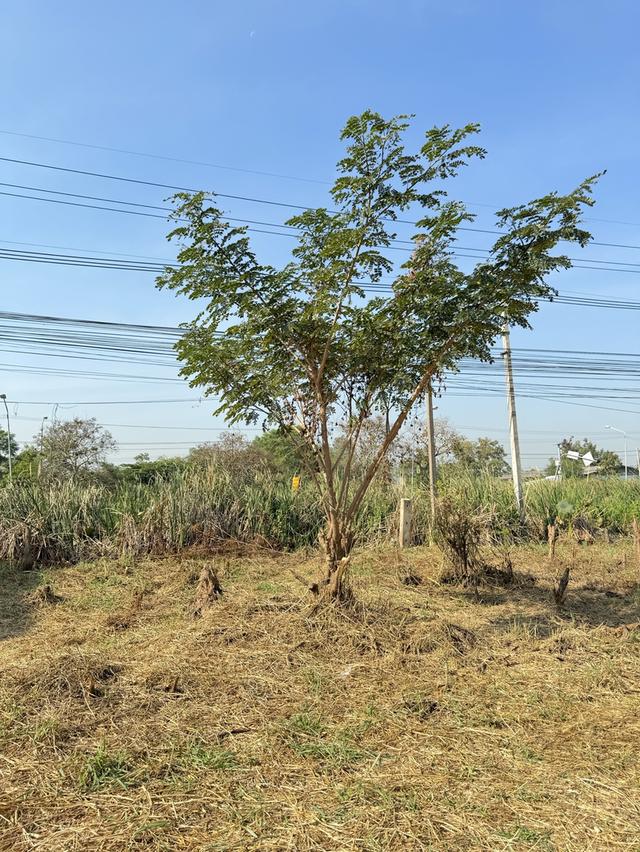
{"x":74,"y":448}
{"x":482,"y":456}
{"x":300,"y":346}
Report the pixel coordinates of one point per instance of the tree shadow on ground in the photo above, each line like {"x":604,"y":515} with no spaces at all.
{"x":15,"y":609}
{"x":585,"y":605}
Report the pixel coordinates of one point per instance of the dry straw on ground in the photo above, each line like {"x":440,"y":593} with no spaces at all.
{"x":428,"y":718}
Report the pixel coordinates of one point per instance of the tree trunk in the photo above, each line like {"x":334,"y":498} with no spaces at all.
{"x":337,"y":544}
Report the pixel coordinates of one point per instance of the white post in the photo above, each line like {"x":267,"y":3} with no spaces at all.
{"x":404,"y":537}
{"x":513,"y":422}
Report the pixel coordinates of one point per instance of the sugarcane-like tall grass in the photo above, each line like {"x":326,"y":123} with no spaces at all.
{"x":201,"y":507}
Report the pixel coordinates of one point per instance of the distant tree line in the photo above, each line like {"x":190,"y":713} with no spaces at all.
{"x":78,"y":449}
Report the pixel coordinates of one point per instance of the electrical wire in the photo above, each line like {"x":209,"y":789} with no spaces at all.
{"x":239,"y":169}
{"x":250,"y":199}
{"x":164,"y":157}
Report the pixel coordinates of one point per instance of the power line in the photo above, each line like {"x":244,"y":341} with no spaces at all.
{"x":160,"y":340}
{"x":130,"y":212}
{"x":90,"y":374}
{"x":162,"y":260}
{"x":133,"y":204}
{"x":551,"y":399}
{"x":105,"y":402}
{"x":151,"y":426}
{"x":164,"y":157}
{"x":95,"y":262}
{"x":149,"y":329}
{"x":250,"y":199}
{"x":239,"y":169}
{"x":81,"y":261}
{"x":578,"y":263}
{"x":231,"y":219}
{"x":487,"y":394}
{"x":290,"y":233}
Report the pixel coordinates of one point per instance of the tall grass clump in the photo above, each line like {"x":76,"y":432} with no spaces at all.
{"x":71,"y":521}
{"x":53,"y":523}
{"x":203,"y":506}
{"x":601,"y":504}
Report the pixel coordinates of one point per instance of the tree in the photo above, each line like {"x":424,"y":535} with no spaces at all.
{"x":231,"y":453}
{"x":284,"y":451}
{"x":484,"y":456}
{"x":414,"y":444}
{"x":300,"y":348}
{"x":4,"y":452}
{"x":26,"y":464}
{"x":372,"y":434}
{"x":74,"y":449}
{"x":608,"y":462}
{"x":143,"y":469}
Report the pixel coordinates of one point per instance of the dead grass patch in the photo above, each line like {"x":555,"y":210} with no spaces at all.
{"x":426,"y":718}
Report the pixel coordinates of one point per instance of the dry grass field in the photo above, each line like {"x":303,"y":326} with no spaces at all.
{"x":430,"y":718}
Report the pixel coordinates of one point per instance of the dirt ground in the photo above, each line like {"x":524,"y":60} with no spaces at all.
{"x":429,"y":718}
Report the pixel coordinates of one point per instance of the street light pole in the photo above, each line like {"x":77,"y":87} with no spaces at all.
{"x":3,"y":397}
{"x":41,"y":443}
{"x":622,"y":432}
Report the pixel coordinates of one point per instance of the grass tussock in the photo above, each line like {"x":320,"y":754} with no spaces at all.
{"x":429,"y":717}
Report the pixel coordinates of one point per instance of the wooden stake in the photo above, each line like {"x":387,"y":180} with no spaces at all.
{"x":552,"y":535}
{"x":636,"y":538}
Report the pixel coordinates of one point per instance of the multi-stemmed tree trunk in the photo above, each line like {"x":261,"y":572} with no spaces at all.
{"x":342,"y":503}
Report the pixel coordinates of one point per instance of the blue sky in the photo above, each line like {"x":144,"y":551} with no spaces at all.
{"x":267,"y":87}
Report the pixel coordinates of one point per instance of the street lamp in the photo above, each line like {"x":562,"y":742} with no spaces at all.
{"x":3,"y":397}
{"x":622,"y":432}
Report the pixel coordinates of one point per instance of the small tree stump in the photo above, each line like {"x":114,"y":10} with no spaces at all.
{"x":560,"y":591}
{"x":44,"y":595}
{"x":208,"y":592}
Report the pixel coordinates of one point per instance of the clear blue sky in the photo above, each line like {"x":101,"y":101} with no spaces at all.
{"x":267,"y":86}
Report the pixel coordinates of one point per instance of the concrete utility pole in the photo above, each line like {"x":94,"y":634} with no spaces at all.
{"x":516,"y":468}
{"x":3,"y":397}
{"x":431,"y":451}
